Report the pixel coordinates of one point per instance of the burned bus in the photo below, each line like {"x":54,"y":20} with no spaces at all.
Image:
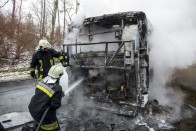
{"x":111,"y":53}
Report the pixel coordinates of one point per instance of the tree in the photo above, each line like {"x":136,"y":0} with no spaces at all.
{"x":64,"y":18}
{"x":43,"y":18}
{"x":42,"y":13}
{"x":77,"y":6}
{"x":4,"y":43}
{"x":48,"y":25}
{"x":68,"y":11}
{"x":19,"y":50}
{"x":16,"y":35}
{"x":1,"y":6}
{"x":53,"y":21}
{"x":32,"y":33}
{"x":13,"y":9}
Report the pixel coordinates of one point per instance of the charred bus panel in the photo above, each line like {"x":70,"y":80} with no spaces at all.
{"x":111,"y":52}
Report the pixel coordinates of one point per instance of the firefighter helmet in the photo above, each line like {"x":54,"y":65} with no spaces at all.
{"x":56,"y":71}
{"x":44,"y":44}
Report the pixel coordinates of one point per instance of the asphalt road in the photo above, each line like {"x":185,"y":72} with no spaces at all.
{"x":15,"y":96}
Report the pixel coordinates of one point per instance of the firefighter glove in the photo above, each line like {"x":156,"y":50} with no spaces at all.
{"x":64,"y":63}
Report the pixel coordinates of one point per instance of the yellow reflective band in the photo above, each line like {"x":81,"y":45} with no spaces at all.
{"x":46,"y":86}
{"x":41,"y":65}
{"x":51,"y":62}
{"x":50,"y":126}
{"x":61,"y":58}
{"x":32,"y":69}
{"x":44,"y":90}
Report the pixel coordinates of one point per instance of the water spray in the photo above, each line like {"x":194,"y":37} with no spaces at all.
{"x":192,"y":107}
{"x":73,"y":86}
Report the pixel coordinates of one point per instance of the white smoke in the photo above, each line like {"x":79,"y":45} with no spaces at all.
{"x":172,"y":46}
{"x":64,"y":80}
{"x":71,"y":37}
{"x":93,"y":73}
{"x":172,"y":41}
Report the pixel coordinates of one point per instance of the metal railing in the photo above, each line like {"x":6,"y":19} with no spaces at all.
{"x":107,"y":61}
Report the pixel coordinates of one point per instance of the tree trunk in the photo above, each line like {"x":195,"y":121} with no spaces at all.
{"x":13,"y":9}
{"x":41,"y":20}
{"x":43,"y":32}
{"x":64,"y":19}
{"x":19,"y":44}
{"x":59,"y":25}
{"x":20,"y":15}
{"x":53,"y":21}
{"x":13,"y":22}
{"x":77,"y":6}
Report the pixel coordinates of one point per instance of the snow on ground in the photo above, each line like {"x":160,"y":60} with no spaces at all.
{"x":15,"y":69}
{"x":13,"y":76}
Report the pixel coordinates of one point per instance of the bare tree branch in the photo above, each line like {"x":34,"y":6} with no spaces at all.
{"x":36,"y":11}
{"x":4,"y":4}
{"x":50,"y":7}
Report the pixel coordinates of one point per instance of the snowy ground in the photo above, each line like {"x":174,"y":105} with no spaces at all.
{"x":14,"y":76}
{"x":15,"y":69}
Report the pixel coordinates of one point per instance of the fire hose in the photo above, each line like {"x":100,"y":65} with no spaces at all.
{"x":37,"y":129}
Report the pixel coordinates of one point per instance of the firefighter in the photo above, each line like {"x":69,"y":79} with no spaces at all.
{"x":48,"y":94}
{"x":1,"y":127}
{"x":43,"y":59}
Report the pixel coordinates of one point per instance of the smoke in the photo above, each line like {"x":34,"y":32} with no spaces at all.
{"x":93,"y":73}
{"x":172,"y":40}
{"x":71,"y":37}
{"x":64,"y":80}
{"x":172,"y":47}
{"x":77,"y":22}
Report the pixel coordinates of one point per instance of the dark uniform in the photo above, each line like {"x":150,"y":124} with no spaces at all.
{"x":1,"y":127}
{"x":43,"y":60}
{"x":46,"y":95}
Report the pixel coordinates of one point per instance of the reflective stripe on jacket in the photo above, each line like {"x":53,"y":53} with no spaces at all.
{"x":50,"y":127}
{"x":46,"y":96}
{"x":43,"y":60}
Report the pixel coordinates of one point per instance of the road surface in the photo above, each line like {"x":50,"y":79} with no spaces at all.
{"x":15,"y":96}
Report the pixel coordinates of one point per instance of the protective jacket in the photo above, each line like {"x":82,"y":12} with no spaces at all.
{"x":43,"y":60}
{"x":1,"y":127}
{"x":46,"y":95}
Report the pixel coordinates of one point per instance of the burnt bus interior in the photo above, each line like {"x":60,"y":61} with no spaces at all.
{"x":114,"y":64}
